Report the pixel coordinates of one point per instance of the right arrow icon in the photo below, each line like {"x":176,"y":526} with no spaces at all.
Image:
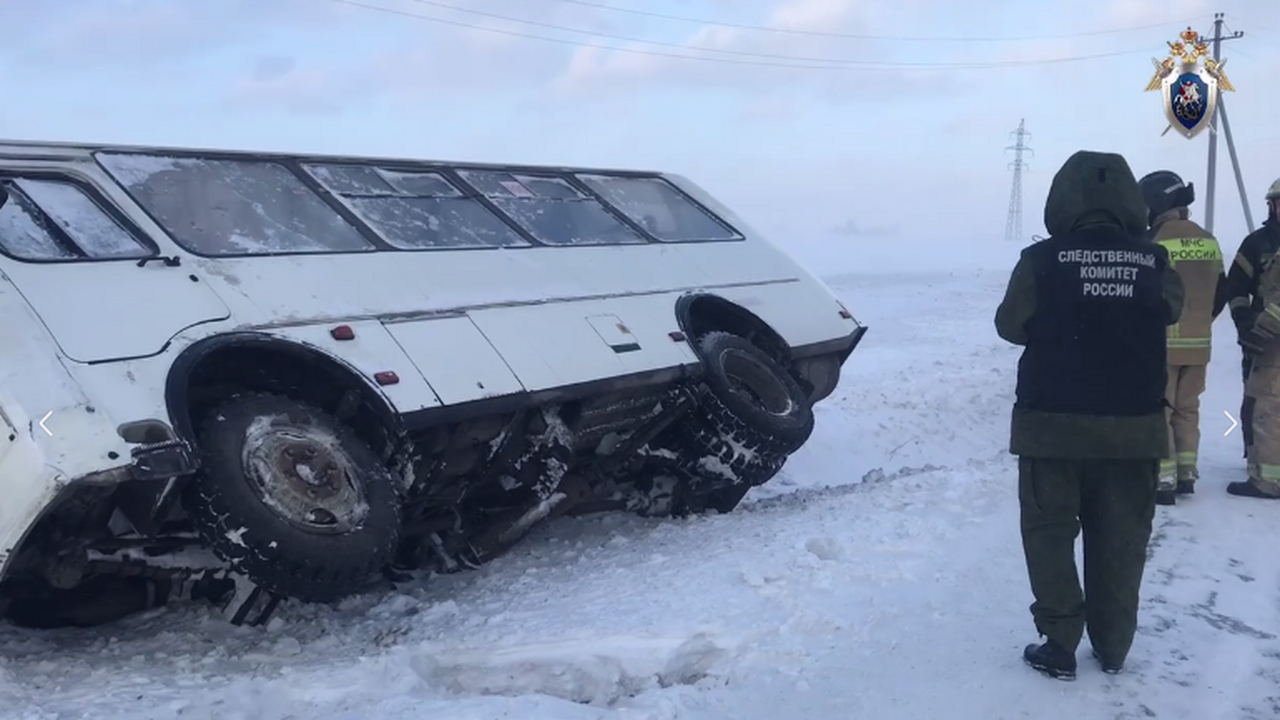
{"x":1233,"y":423}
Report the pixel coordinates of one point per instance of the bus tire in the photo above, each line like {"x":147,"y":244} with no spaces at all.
{"x":292,"y":498}
{"x":750,"y":399}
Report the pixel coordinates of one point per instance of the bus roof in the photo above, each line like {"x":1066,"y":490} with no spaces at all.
{"x":61,"y":150}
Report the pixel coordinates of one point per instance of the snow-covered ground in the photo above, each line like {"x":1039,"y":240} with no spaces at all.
{"x":880,"y":576}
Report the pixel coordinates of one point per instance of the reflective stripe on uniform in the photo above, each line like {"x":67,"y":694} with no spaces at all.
{"x":1167,"y":469}
{"x":1265,"y":477}
{"x":1269,"y":320}
{"x":1245,"y":265}
{"x":1180,"y":343}
{"x":1268,"y":473}
{"x":1187,"y":458}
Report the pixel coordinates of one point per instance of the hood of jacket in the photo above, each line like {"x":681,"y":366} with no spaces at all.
{"x":1095,"y":188}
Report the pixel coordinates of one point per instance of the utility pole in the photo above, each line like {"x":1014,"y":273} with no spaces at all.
{"x":1218,"y":39}
{"x":1013,"y":226}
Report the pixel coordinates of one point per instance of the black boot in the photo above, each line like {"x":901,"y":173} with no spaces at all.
{"x":1245,"y":488}
{"x":1051,"y":659}
{"x":1187,"y":477}
{"x":1109,"y":668}
{"x":1166,"y":496}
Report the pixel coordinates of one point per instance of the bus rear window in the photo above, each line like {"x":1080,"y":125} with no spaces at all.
{"x":657,"y":206}
{"x":233,"y":207}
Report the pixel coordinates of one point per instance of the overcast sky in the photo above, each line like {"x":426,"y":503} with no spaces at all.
{"x":850,"y":145}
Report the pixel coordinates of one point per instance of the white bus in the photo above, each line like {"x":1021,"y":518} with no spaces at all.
{"x":307,"y":372}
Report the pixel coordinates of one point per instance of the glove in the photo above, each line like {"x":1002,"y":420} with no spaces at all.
{"x":1257,"y":339}
{"x":1250,"y":341}
{"x":1243,"y":319}
{"x":1253,"y":342}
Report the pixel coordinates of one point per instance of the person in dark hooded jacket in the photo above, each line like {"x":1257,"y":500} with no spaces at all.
{"x":1091,"y":306}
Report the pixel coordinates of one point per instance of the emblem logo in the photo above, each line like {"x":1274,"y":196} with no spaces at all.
{"x":1189,"y":89}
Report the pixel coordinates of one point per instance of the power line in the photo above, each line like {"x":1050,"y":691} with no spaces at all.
{"x":855,"y":36}
{"x":1243,"y":54}
{"x":1267,"y":28}
{"x":678,"y":46}
{"x":1267,"y":36}
{"x":800,"y":64}
{"x":1264,"y":38}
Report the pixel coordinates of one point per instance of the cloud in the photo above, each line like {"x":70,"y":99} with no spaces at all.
{"x":1141,"y":12}
{"x":790,"y":56}
{"x":153,"y":34}
{"x":770,"y":110}
{"x":430,"y":50}
{"x":410,"y":51}
{"x":272,"y":67}
{"x":794,"y":146}
{"x":280,"y":81}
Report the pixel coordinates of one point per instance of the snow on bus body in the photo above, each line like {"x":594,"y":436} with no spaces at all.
{"x":513,"y":318}
{"x":520,"y":290}
{"x":369,"y":284}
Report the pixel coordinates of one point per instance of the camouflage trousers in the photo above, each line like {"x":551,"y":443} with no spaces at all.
{"x":1262,"y":391}
{"x":1182,"y":394}
{"x":1113,"y":503}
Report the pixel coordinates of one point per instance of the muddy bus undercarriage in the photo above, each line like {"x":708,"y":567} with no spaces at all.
{"x":450,"y":497}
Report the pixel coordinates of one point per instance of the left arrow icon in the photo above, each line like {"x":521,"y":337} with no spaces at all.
{"x":45,"y":419}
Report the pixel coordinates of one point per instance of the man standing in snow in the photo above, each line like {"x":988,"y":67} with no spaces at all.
{"x":1250,"y":290}
{"x":1090,"y":306}
{"x":1195,"y":255}
{"x":1240,"y":293}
